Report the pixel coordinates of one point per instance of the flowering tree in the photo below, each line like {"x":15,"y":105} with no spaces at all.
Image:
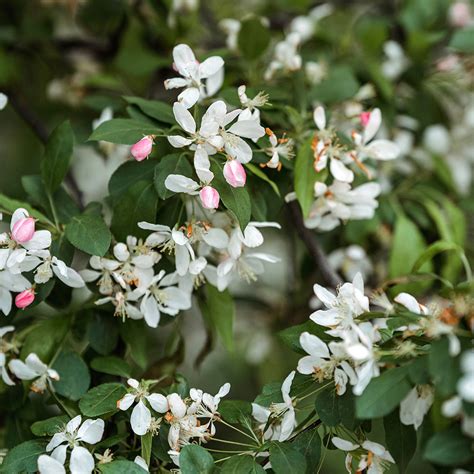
{"x":326,"y":147}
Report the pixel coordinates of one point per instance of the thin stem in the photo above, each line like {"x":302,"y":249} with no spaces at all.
{"x":324,"y":455}
{"x":228,"y":457}
{"x":239,"y":431}
{"x":233,"y":442}
{"x":60,"y":403}
{"x":53,"y":210}
{"x":223,"y":451}
{"x":313,"y":392}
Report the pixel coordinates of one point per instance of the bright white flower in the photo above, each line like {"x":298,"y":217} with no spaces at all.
{"x":34,"y":369}
{"x":72,"y":437}
{"x":285,"y":56}
{"x":282,"y":147}
{"x":374,"y":457}
{"x":159,"y":296}
{"x":339,"y":203}
{"x":396,"y":62}
{"x":282,"y":414}
{"x":379,"y":149}
{"x":240,"y":261}
{"x":138,"y":394}
{"x":251,"y":106}
{"x":5,"y":347}
{"x":326,"y":362}
{"x":359,"y":344}
{"x":325,"y":147}
{"x":193,"y":74}
{"x":348,"y":303}
{"x":104,"y":270}
{"x":10,"y":282}
{"x":49,"y":265}
{"x":350,"y":261}
{"x":416,"y":405}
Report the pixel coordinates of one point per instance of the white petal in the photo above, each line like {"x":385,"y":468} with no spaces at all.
{"x":239,"y":149}
{"x":383,"y":150}
{"x":319,"y":116}
{"x":189,"y":97}
{"x":49,"y":465}
{"x":140,"y":419}
{"x":343,"y":444}
{"x":81,"y":461}
{"x":286,"y":386}
{"x":151,"y":313}
{"x":184,"y":118}
{"x":314,"y":346}
{"x":178,"y":141}
{"x":325,"y":296}
{"x":340,"y":171}
{"x":202,"y":165}
{"x":21,"y":370}
{"x":183,"y":56}
{"x":181,"y":184}
{"x":410,"y":302}
{"x":373,"y":125}
{"x":126,"y":402}
{"x":141,"y":462}
{"x":41,"y":240}
{"x":247,"y":129}
{"x":91,"y":431}
{"x":158,"y":402}
{"x":71,"y":279}
{"x":216,"y":238}
{"x":210,"y":66}
{"x":55,"y":441}
{"x":177,"y":406}
{"x":20,"y":213}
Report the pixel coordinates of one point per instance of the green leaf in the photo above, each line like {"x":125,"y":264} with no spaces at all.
{"x":444,"y":368}
{"x":253,"y":38}
{"x":309,"y":445}
{"x":400,"y":439}
{"x":57,"y":156}
{"x":123,"y":131}
{"x":286,"y":458}
{"x":341,"y":84}
{"x":139,"y":203}
{"x":291,"y":336}
{"x":129,"y":173}
{"x":237,"y":200}
{"x":50,"y":426}
{"x":435,"y":249}
{"x":306,"y":177}
{"x":235,"y":411}
{"x":241,"y":465}
{"x":23,"y":458}
{"x":334,"y":409}
{"x":74,"y":375}
{"x":463,"y":40}
{"x":194,"y":459}
{"x":271,"y":393}
{"x":146,"y":441}
{"x":44,"y":337}
{"x":132,"y":332}
{"x":160,"y":111}
{"x":176,"y":163}
{"x":111,"y":365}
{"x":102,"y":399}
{"x":102,"y":333}
{"x":220,"y":313}
{"x":383,"y":394}
{"x":449,"y":448}
{"x":89,"y":233}
{"x":121,"y":467}
{"x":260,"y":174}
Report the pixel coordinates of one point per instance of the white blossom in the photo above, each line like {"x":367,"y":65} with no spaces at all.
{"x":34,"y":369}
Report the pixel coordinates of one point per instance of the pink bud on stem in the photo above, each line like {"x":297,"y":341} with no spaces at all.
{"x":209,"y":197}
{"x":234,"y":174}
{"x":142,"y":148}
{"x":23,"y":230}
{"x":25,"y":298}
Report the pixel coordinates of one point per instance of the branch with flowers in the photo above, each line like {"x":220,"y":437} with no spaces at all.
{"x":265,"y":171}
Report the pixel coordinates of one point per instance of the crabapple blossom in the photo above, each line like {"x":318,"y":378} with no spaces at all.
{"x":73,"y":437}
{"x":5,"y":348}
{"x":209,"y":197}
{"x":193,"y":75}
{"x":285,"y":56}
{"x":23,"y":230}
{"x":234,"y":174}
{"x":416,"y":405}
{"x":34,"y":369}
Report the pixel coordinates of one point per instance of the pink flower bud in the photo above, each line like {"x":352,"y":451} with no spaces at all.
{"x":23,"y":230}
{"x":234,"y":174}
{"x":209,"y":197}
{"x":142,"y":149}
{"x":25,"y":298}
{"x":364,"y":118}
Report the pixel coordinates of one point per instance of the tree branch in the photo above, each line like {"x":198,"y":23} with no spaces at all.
{"x":330,"y":277}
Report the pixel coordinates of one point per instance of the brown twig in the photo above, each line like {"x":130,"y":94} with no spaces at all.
{"x":330,"y":276}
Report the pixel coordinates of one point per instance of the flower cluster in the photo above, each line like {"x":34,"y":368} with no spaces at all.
{"x":25,"y":249}
{"x":213,"y":250}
